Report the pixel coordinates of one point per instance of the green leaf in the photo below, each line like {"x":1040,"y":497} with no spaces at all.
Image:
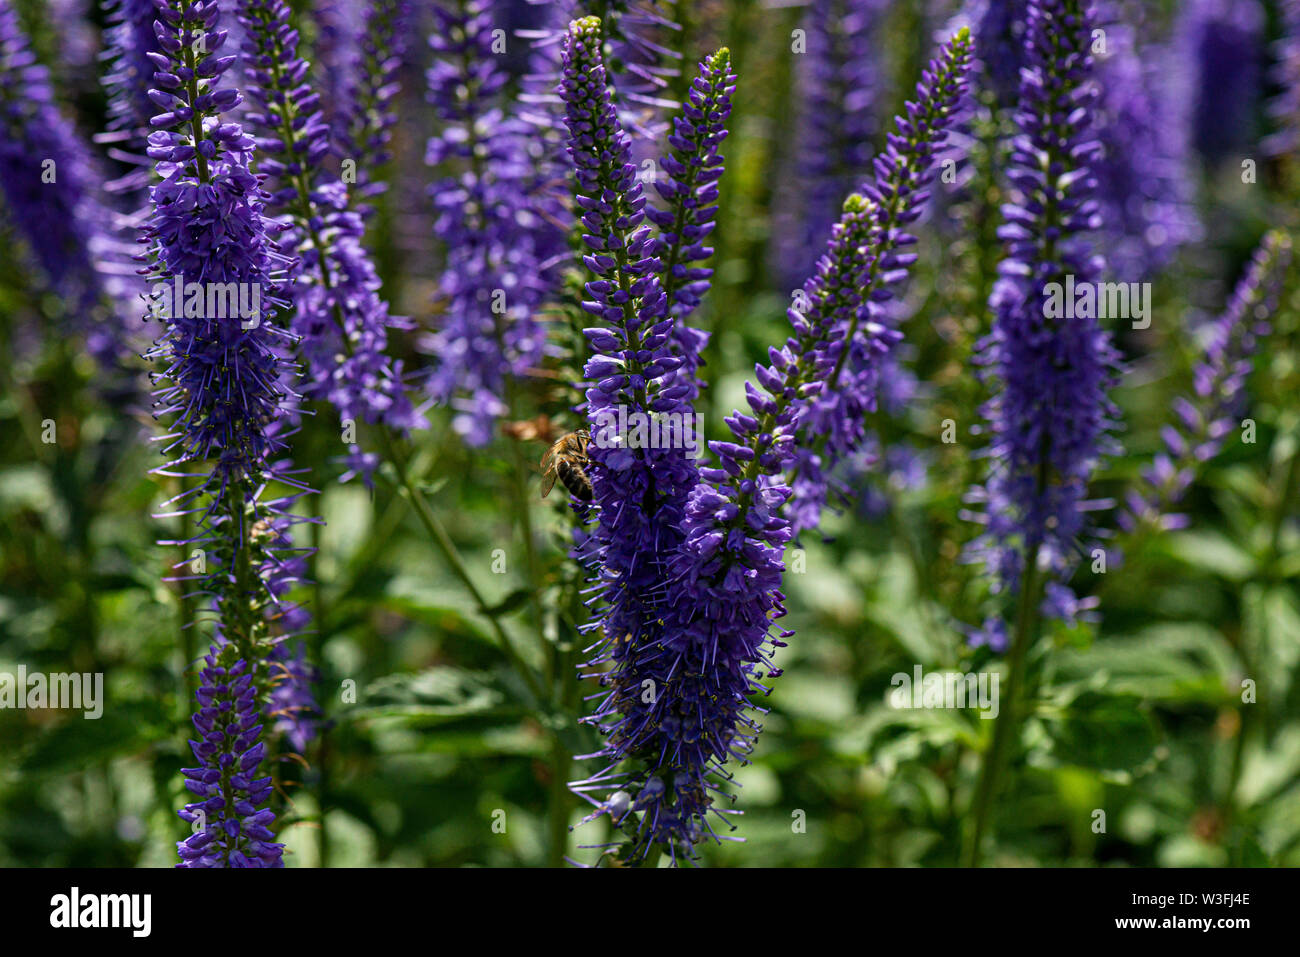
{"x":516,"y":599}
{"x":442,"y":692}
{"x":1214,"y":553}
{"x":77,"y":742}
{"x":1104,"y":732}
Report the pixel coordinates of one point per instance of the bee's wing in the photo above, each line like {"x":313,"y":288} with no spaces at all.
{"x":548,"y":481}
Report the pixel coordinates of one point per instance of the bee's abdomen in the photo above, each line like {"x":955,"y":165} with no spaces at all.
{"x":575,"y":479}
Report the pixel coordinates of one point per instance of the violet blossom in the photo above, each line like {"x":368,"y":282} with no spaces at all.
{"x":1050,"y":414}
{"x":1204,"y":420}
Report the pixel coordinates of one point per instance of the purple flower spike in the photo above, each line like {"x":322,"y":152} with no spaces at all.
{"x":832,"y":427}
{"x":640,"y":487}
{"x":713,"y":646}
{"x":375,"y":84}
{"x":227,"y":392}
{"x":229,"y":828}
{"x":339,"y":316}
{"x":837,"y":86}
{"x":224,"y":374}
{"x":633,"y":368}
{"x":1050,"y":413}
{"x":1286,"y":108}
{"x":694,"y":169}
{"x":1204,"y":420}
{"x":50,"y":188}
{"x":501,"y":247}
{"x":678,"y":706}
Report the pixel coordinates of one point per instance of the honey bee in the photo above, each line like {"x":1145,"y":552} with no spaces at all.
{"x":567,"y":460}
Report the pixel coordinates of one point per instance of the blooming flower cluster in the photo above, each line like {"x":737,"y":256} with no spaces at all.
{"x":693,"y":169}
{"x":501,"y":243}
{"x":227,"y":394}
{"x":223,"y":378}
{"x":52,"y":188}
{"x":679,"y":708}
{"x":640,"y":493}
{"x":836,"y":125}
{"x":375,"y":84}
{"x":1206,"y":419}
{"x":339,"y":317}
{"x":1049,"y":418}
{"x":230,"y":827}
{"x":834,"y":421}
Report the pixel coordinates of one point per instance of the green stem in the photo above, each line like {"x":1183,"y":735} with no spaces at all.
{"x":1008,"y":720}
{"x":318,"y":655}
{"x":559,"y":809}
{"x":1245,"y":717}
{"x":189,"y":647}
{"x":449,"y":552}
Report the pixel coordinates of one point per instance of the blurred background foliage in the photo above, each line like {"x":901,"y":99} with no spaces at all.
{"x":1140,"y":716}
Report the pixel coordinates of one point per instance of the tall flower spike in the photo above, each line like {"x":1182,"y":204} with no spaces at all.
{"x":1224,"y":40}
{"x":500,"y":248}
{"x":51,"y":189}
{"x":223,"y":376}
{"x":339,"y":316}
{"x":723,"y":595}
{"x":1144,"y":168}
{"x":375,"y":84}
{"x":1285,"y":110}
{"x":227,"y":393}
{"x":1050,"y":412}
{"x":833,"y":425}
{"x":691,"y":192}
{"x":1206,"y":419}
{"x":632,"y":365}
{"x":837,"y":122}
{"x":667,"y":752}
{"x":639,"y":488}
